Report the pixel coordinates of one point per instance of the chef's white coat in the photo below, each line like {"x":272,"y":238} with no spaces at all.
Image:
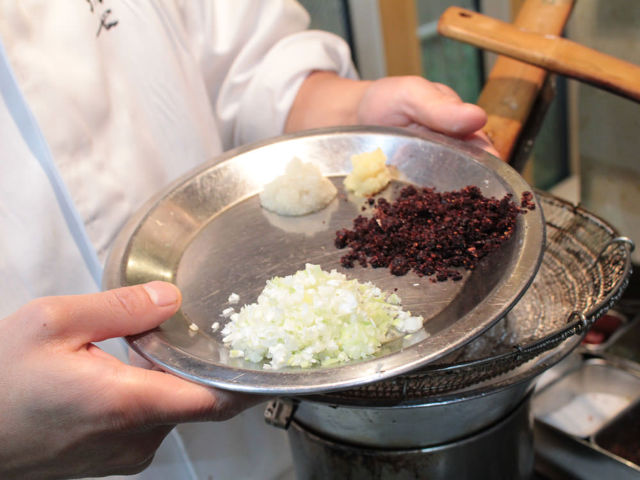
{"x":103,"y":103}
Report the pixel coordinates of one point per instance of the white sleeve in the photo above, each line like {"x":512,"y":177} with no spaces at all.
{"x":268,"y":97}
{"x":254,"y":55}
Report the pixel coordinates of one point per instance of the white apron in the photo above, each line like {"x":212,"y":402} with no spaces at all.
{"x":104,"y":103}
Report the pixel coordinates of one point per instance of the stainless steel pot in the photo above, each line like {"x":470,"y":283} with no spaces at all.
{"x":504,"y":450}
{"x":435,"y":421}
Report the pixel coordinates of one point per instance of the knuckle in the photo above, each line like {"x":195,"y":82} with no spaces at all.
{"x":141,"y":453}
{"x":129,"y":299}
{"x":130,"y":463}
{"x":44,"y":314}
{"x":118,"y":414}
{"x":45,"y":308}
{"x":213,"y":409}
{"x":114,"y":411}
{"x":222,"y":407}
{"x":140,"y":461}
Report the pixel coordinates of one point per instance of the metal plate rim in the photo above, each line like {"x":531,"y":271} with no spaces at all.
{"x":315,"y":381}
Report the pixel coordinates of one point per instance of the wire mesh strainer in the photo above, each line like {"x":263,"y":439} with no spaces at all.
{"x":585,"y":268}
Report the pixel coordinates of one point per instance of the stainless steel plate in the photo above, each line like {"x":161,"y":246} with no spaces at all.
{"x":208,"y":234}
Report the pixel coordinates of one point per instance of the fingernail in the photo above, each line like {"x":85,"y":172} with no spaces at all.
{"x":162,"y":294}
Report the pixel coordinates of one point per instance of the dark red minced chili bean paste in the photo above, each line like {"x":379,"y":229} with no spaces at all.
{"x":435,"y":234}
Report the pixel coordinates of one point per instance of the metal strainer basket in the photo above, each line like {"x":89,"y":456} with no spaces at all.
{"x":585,"y":269}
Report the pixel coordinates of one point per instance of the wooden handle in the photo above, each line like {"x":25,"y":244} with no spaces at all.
{"x":512,"y":88}
{"x":550,"y":52}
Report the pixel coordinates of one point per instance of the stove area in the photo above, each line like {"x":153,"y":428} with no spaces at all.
{"x":587,"y":408}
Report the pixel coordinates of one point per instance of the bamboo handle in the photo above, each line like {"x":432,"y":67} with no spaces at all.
{"x":550,"y":52}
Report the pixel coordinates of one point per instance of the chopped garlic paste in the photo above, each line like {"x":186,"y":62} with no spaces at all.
{"x":300,"y":191}
{"x":316,"y":318}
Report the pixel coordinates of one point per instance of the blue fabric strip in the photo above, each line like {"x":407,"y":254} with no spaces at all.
{"x":33,"y":137}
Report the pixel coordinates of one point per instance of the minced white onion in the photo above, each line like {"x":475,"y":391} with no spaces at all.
{"x":314,"y":317}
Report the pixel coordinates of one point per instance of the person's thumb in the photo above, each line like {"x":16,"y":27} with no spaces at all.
{"x":82,"y":319}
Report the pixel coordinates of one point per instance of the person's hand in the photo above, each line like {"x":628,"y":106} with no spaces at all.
{"x":410,"y":101}
{"x":417,"y":103}
{"x":68,"y":409}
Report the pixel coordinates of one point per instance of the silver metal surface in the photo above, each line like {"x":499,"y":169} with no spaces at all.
{"x":582,"y":401}
{"x":433,"y":422}
{"x":208,"y":234}
{"x":503,"y":450}
{"x":584,"y":396}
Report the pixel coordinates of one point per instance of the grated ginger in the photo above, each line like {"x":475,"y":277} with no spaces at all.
{"x":370,"y":173}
